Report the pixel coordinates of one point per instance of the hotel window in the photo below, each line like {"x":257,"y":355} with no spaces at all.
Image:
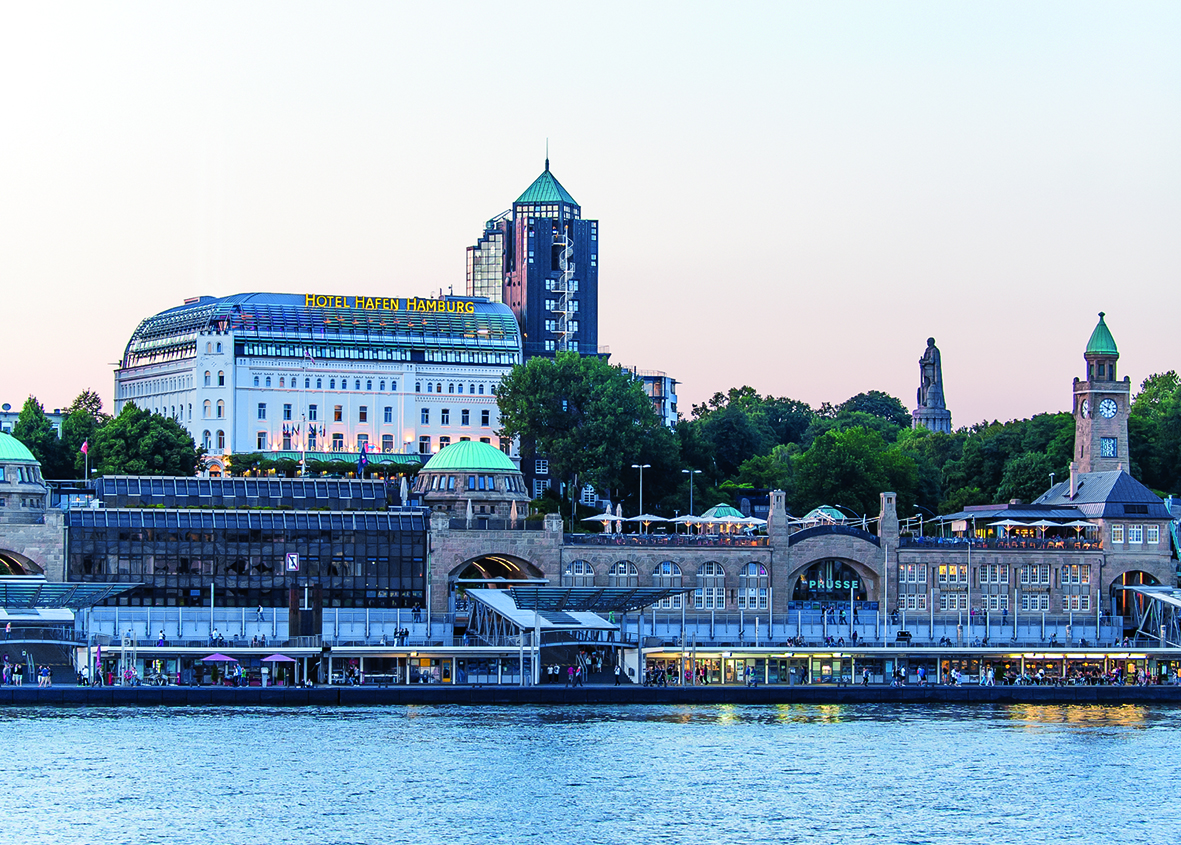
{"x":357,"y":384}
{"x":481,"y":390}
{"x":381,"y":386}
{"x":445,"y":416}
{"x":221,"y":379}
{"x":207,"y":407}
{"x":207,"y":377}
{"x":307,"y":384}
{"x":338,"y":442}
{"x":485,"y":416}
{"x":286,"y":411}
{"x":393,"y":386}
{"x":282,"y":382}
{"x":311,"y":412}
{"x":332,"y":384}
{"x":338,"y":413}
{"x":262,"y":410}
{"x":1117,"y":533}
{"x":312,"y":438}
{"x":430,"y":387}
{"x":387,"y":443}
{"x":1153,"y":532}
{"x":424,"y":416}
{"x":1135,"y":533}
{"x":221,"y":439}
{"x":444,"y":442}
{"x":451,"y":388}
{"x":205,"y":440}
{"x":388,"y":414}
{"x":471,"y":388}
{"x":319,"y":384}
{"x":369,"y":384}
{"x":424,"y":445}
{"x":286,"y":442}
{"x":268,"y":382}
{"x":363,"y":413}
{"x":465,"y":417}
{"x":262,"y":440}
{"x":362,"y":441}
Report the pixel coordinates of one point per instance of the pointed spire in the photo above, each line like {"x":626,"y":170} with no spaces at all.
{"x":547,"y":155}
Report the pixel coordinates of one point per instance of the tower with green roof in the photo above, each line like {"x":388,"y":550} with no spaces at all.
{"x":541,"y":259}
{"x":1101,"y":406}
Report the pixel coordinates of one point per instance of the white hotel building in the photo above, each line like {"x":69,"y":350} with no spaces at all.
{"x":285,"y":374}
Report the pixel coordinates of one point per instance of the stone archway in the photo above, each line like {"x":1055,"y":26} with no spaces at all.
{"x":492,"y":570}
{"x":830,"y":579}
{"x":14,"y":563}
{"x":1122,"y":600}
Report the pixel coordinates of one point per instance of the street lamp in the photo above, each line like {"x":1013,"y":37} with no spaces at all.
{"x":920,"y":516}
{"x":641,"y":468}
{"x":691,"y":473}
{"x":855,"y":514}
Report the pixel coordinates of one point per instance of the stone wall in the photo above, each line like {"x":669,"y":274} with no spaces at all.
{"x":43,"y":544}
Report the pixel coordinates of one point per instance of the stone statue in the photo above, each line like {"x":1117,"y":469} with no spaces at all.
{"x":932,"y":410}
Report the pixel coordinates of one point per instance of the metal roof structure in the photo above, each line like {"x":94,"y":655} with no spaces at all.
{"x":546,"y":188}
{"x":1101,"y":342}
{"x":470,"y":455}
{"x":1106,"y":494}
{"x":591,"y":599}
{"x":32,"y":593}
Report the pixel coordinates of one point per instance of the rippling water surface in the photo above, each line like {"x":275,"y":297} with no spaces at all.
{"x":842,"y":774}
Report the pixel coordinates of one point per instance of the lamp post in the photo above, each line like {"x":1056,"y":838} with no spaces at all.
{"x":920,"y":507}
{"x":691,"y":473}
{"x":855,"y":514}
{"x":641,"y":468}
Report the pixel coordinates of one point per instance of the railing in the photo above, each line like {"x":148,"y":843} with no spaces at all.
{"x":1009,"y":544}
{"x":41,"y":633}
{"x":479,"y":523}
{"x":664,"y":540}
{"x":824,"y":530}
{"x":107,"y":641}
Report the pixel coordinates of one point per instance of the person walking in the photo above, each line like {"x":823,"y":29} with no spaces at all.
{"x":617,"y":674}
{"x":569,"y":676}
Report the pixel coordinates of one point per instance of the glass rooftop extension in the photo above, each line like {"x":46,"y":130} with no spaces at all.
{"x":290,"y":327}
{"x":123,"y":491}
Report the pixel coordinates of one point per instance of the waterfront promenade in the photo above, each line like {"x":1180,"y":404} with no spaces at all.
{"x":439,"y":694}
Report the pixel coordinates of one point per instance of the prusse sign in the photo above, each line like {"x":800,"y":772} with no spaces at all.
{"x":388,"y":303}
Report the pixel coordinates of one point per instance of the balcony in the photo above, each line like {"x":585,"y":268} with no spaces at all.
{"x":659,"y":540}
{"x":1060,"y":544}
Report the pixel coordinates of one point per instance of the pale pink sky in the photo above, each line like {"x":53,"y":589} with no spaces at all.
{"x":792,"y":196}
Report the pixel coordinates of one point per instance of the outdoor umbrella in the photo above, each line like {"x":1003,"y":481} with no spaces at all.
{"x":405,"y":492}
{"x":218,"y":657}
{"x":1043,"y":524}
{"x":278,"y":658}
{"x":619,"y":518}
{"x":687,"y":520}
{"x":469,"y":513}
{"x":645,"y":519}
{"x":604,"y":518}
{"x":513,"y":512}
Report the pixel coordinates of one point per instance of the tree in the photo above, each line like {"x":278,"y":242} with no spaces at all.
{"x":880,"y":405}
{"x":1026,"y":477}
{"x":590,"y":420}
{"x":34,"y":429}
{"x":90,"y":402}
{"x":84,"y":417}
{"x":138,"y":442}
{"x":852,"y":468}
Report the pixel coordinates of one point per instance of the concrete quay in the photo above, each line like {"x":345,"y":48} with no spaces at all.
{"x":479,"y":696}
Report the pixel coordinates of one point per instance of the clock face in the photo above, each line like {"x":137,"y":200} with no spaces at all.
{"x":1086,"y":408}
{"x":1108,"y":408}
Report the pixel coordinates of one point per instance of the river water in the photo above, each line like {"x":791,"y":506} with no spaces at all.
{"x":810,"y":774}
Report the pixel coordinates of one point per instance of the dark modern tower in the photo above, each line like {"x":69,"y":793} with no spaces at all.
{"x":541,"y":259}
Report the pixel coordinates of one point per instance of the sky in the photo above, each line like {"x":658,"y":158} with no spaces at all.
{"x":792,"y":196}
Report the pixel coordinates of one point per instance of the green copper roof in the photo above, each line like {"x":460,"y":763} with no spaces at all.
{"x":721,"y":511}
{"x":1101,"y":342}
{"x":546,"y":188}
{"x":12,"y":449}
{"x":470,"y":456}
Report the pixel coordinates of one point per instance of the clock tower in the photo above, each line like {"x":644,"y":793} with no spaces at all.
{"x":1101,"y":406}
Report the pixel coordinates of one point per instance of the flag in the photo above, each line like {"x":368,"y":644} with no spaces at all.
{"x":362,"y":460}
{"x":85,"y":450}
{"x":307,"y":353}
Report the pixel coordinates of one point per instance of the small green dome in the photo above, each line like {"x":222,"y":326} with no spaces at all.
{"x":12,"y":449}
{"x":470,"y":456}
{"x":1101,"y":342}
{"x":721,"y":512}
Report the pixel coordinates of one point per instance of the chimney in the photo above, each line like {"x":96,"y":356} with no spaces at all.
{"x":1073,"y":478}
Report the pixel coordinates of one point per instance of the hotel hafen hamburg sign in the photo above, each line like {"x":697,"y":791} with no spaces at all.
{"x":387,"y":303}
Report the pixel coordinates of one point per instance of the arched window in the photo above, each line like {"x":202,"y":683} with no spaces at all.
{"x":418,"y":387}
{"x":207,"y":377}
{"x":451,"y":388}
{"x":711,"y":587}
{"x":461,"y":387}
{"x":221,"y":378}
{"x":319,"y":384}
{"x":205,"y":440}
{"x":368,"y":384}
{"x":219,"y":347}
{"x":357,"y":384}
{"x":268,"y":381}
{"x":430,"y":388}
{"x":381,"y":386}
{"x":579,"y":573}
{"x":439,"y":388}
{"x":207,"y":408}
{"x":282,"y":382}
{"x":471,"y":388}
{"x":752,"y":587}
{"x":623,"y":573}
{"x":256,"y":381}
{"x":221,"y":409}
{"x":221,"y":439}
{"x":307,"y":383}
{"x":667,"y":574}
{"x":332,"y":384}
